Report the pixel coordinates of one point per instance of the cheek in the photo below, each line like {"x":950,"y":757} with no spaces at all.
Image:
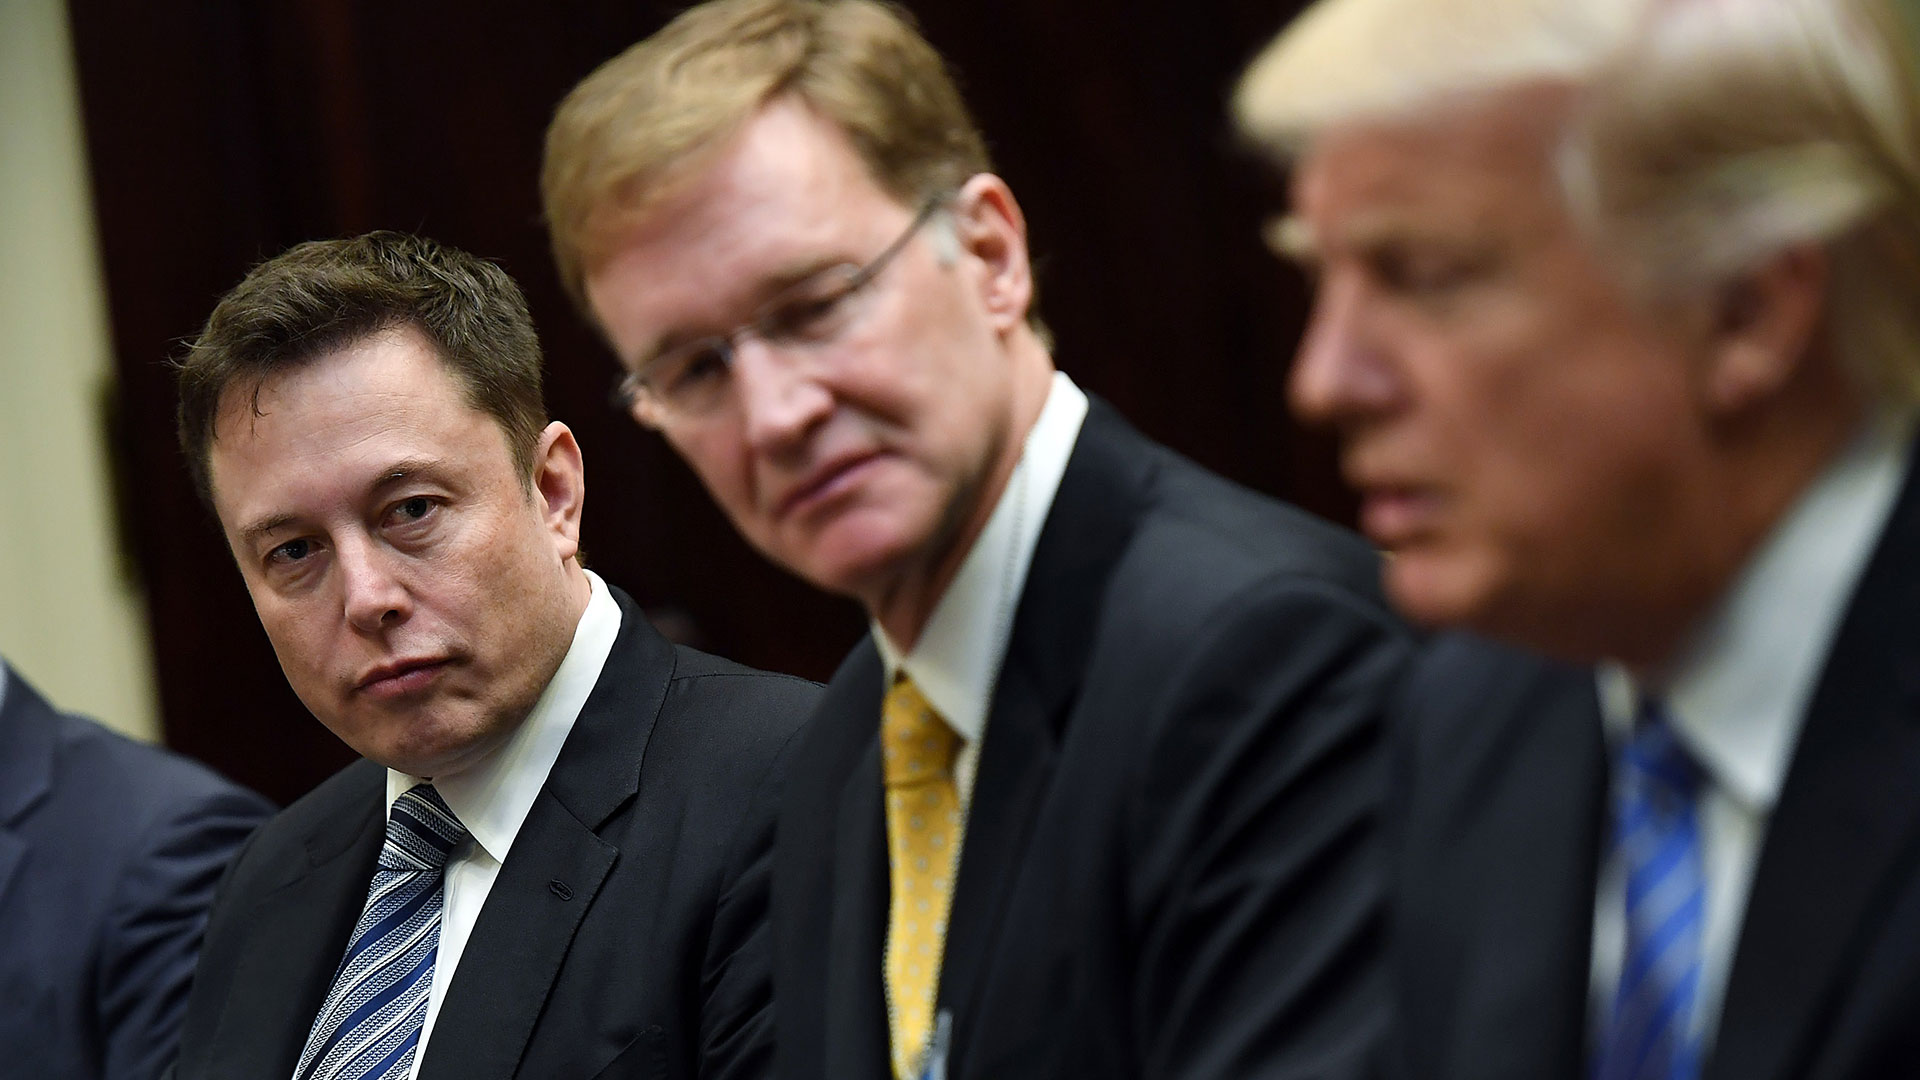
{"x":720,"y":460}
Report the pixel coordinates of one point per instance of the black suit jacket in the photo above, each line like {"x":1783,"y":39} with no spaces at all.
{"x":109,"y":853}
{"x":1170,"y":864}
{"x":625,"y":934}
{"x":1503,"y":768}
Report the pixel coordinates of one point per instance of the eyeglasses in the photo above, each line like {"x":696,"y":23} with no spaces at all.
{"x":693,"y":379}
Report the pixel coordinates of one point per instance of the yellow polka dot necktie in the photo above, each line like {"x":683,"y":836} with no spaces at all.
{"x":923,"y":838}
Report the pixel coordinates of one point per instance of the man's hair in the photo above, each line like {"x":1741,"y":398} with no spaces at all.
{"x":1711,"y":134}
{"x":1355,"y":61}
{"x":325,"y":295}
{"x":1730,"y":132}
{"x":652,"y":115}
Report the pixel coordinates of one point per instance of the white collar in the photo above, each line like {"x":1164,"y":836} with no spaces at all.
{"x":1740,"y":692}
{"x":492,"y":797}
{"x":956,"y":663}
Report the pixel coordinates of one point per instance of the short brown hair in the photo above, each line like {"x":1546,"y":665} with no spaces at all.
{"x":323,"y":295}
{"x":644,"y":117}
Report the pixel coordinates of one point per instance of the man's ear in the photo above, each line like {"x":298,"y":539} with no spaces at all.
{"x":1764,"y":322}
{"x":560,"y":486}
{"x":990,"y":227}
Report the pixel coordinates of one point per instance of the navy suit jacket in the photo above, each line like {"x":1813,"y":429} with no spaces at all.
{"x":1502,"y":791}
{"x":625,"y":935}
{"x":109,"y":854}
{"x":1171,"y":865}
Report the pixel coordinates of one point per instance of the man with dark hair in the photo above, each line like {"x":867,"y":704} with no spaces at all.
{"x":1096,"y":797}
{"x":552,"y":861}
{"x":109,"y":853}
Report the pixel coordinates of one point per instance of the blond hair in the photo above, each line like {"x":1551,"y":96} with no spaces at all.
{"x":1731,"y":131}
{"x":646,"y":118}
{"x":1357,"y":61}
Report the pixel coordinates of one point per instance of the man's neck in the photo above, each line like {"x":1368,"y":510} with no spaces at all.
{"x":903,"y":606}
{"x":1743,"y":502}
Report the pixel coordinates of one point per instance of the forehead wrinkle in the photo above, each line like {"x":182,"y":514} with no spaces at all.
{"x":385,"y":478}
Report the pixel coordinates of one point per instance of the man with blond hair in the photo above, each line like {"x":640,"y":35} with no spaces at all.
{"x":1097,"y":796}
{"x":1619,"y":319}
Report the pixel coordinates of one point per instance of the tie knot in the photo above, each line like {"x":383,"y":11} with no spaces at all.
{"x":421,"y":831}
{"x":1656,"y":762}
{"x":916,"y":745}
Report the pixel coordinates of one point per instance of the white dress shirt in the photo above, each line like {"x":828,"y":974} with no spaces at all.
{"x":492,"y":797}
{"x":956,"y":663}
{"x":1739,"y":694}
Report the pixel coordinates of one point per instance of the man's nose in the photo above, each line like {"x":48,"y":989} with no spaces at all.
{"x":780,"y":396}
{"x":1343,"y":371}
{"x":374,"y":596}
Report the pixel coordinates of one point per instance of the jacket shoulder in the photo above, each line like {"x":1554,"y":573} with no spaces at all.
{"x":721,"y":716}
{"x":330,"y":810}
{"x":140,"y":782}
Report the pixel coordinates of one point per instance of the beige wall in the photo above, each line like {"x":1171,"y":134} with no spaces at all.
{"x":69,"y":620}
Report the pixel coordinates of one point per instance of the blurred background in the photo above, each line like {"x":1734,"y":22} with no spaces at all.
{"x":151,"y":152}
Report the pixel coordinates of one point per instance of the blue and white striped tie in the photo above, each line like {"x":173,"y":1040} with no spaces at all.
{"x":369,"y":1025}
{"x":1657,"y":837}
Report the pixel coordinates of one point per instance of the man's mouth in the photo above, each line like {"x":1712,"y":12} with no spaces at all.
{"x":1393,"y":515}
{"x":825,"y":482}
{"x":401,"y":677}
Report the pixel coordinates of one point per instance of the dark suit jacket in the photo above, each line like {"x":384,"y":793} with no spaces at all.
{"x":109,"y":853}
{"x":1170,"y":864}
{"x":1504,"y":776}
{"x":625,"y":934}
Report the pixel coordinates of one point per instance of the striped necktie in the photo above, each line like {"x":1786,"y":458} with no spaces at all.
{"x":369,"y":1025}
{"x":923,"y":840}
{"x":1657,"y":839}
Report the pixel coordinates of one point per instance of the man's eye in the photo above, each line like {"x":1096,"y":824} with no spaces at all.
{"x":411,"y":510}
{"x":803,"y":317}
{"x":1430,"y":273}
{"x":706,"y":363}
{"x":291,"y":552}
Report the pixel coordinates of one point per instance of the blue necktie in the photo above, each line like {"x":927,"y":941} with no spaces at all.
{"x":369,"y":1025}
{"x":1657,"y":839}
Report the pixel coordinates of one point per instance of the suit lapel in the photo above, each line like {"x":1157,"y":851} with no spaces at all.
{"x":544,"y":890}
{"x":296,"y":936}
{"x":1520,"y":858}
{"x":857,"y":930}
{"x":1092,"y":516}
{"x":28,"y":731}
{"x":1847,"y":820}
{"x":556,"y":866}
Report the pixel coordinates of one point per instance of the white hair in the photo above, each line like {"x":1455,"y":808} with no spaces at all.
{"x":1347,"y":61}
{"x":1733,"y":130}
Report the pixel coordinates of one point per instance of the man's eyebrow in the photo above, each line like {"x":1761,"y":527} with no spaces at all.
{"x":768,"y":290}
{"x":259,"y":530}
{"x":410,"y":469}
{"x":1291,"y":238}
{"x":399,"y":472}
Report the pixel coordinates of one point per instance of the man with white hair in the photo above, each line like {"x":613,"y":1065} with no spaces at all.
{"x":1619,"y":319}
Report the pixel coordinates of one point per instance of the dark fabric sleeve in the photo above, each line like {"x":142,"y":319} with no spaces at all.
{"x":1259,"y":881}
{"x":154,"y":927}
{"x":736,"y":1014}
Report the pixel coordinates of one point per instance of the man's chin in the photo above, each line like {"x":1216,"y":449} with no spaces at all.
{"x":856,"y":566}
{"x":442,"y":752}
{"x":1437,"y":592}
